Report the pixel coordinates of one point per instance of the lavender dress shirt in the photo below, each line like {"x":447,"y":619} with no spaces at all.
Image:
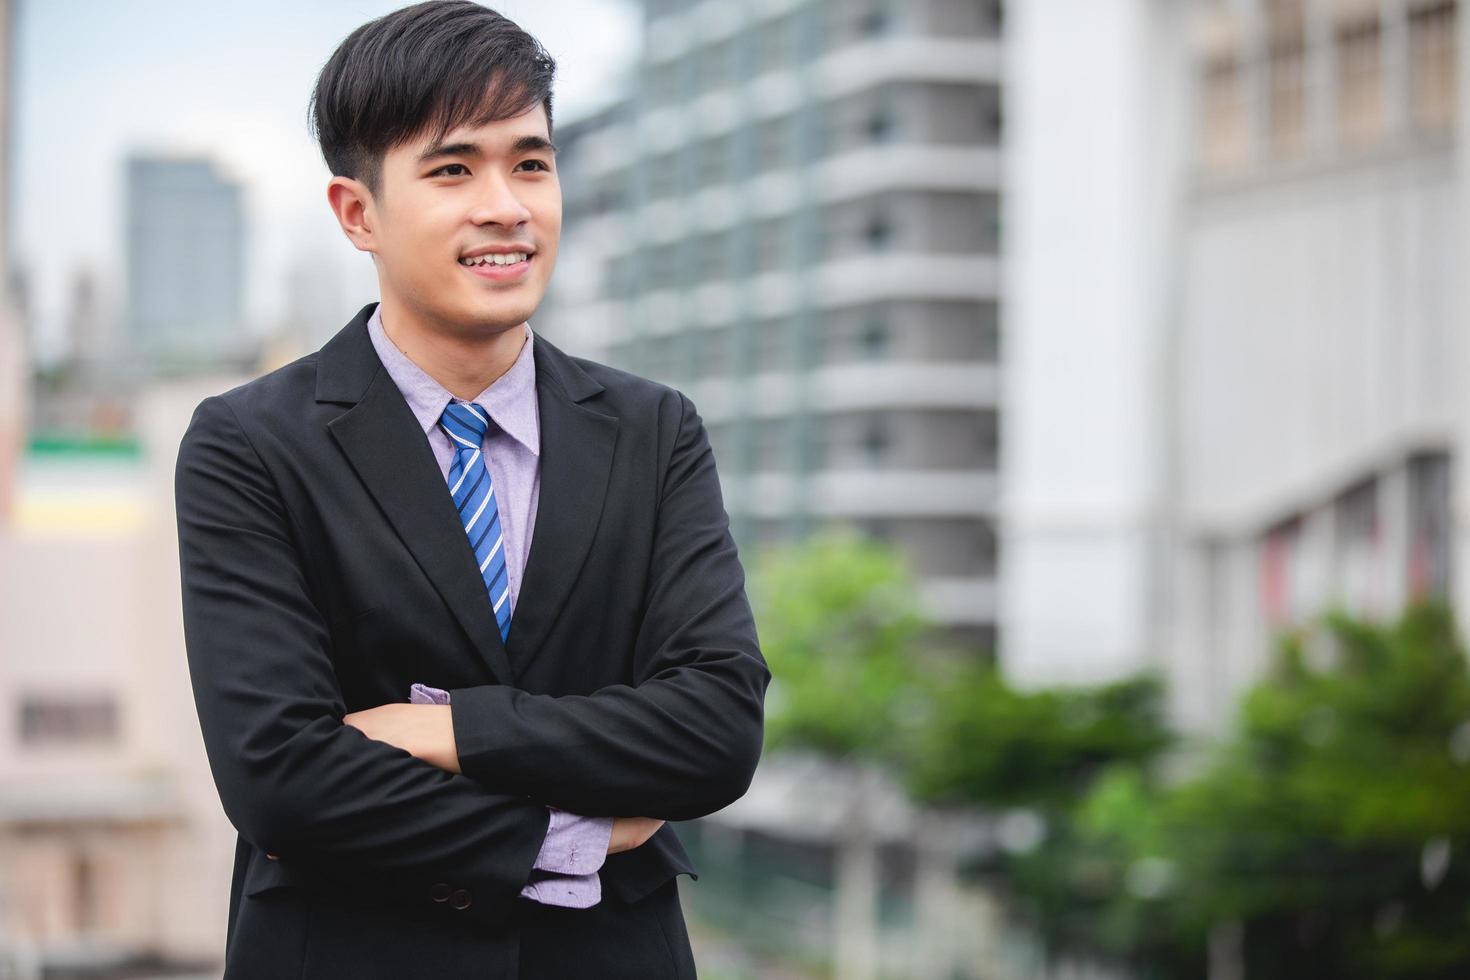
{"x":575,"y":846}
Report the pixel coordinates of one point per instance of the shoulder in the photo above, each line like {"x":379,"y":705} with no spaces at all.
{"x":623,"y":394}
{"x":275,"y":401}
{"x":284,"y":390}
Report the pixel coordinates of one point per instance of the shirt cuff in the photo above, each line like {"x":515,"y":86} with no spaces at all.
{"x":567,"y":891}
{"x":574,"y":844}
{"x":573,"y":850}
{"x":423,"y":694}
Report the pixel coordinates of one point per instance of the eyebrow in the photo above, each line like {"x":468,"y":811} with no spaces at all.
{"x":525,"y":144}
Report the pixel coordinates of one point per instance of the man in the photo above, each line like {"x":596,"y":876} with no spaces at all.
{"x":465,"y":623}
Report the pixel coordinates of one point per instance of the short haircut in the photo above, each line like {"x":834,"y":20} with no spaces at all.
{"x":431,"y":67}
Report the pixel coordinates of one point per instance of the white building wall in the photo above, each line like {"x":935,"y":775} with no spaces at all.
{"x":1317,"y":335}
{"x":1093,"y":95}
{"x":1190,"y":364}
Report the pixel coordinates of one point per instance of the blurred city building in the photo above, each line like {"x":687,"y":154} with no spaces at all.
{"x":14,"y":360}
{"x":114,"y":856}
{"x":792,"y":216}
{"x":1235,"y":378}
{"x":185,"y":266}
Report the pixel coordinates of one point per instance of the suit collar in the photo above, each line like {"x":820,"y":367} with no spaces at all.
{"x":347,"y":363}
{"x":510,"y":400}
{"x":385,"y":446}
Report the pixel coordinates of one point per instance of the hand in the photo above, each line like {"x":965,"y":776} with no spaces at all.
{"x":631,"y":832}
{"x":425,"y":731}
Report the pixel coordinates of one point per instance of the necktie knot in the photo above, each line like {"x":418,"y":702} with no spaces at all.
{"x":466,"y":423}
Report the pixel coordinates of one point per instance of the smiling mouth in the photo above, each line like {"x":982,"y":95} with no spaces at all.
{"x":496,"y":258}
{"x":484,"y":266}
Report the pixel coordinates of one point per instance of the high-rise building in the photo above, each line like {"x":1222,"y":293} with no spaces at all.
{"x":185,"y":262}
{"x":793,"y":218}
{"x":1239,"y":353}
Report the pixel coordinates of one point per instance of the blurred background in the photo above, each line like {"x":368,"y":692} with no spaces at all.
{"x":1082,"y":376}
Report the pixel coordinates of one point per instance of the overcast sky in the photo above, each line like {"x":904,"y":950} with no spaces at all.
{"x":96,"y":79}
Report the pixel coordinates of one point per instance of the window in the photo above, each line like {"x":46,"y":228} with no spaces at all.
{"x":1360,"y":81}
{"x":880,"y":125}
{"x":713,"y":251}
{"x":1224,"y":133}
{"x":1432,"y":65}
{"x":662,"y":176}
{"x":1286,"y":76}
{"x":717,"y":66}
{"x":878,"y":233}
{"x":874,"y":441}
{"x":875,"y":21}
{"x":661,"y":267}
{"x":1358,"y":537}
{"x":664,"y":83}
{"x":713,"y":353}
{"x":773,"y":244}
{"x":712,"y":161}
{"x":1431,"y":529}
{"x":773,"y":145}
{"x":617,"y":278}
{"x":773,"y":345}
{"x":772,"y":444}
{"x":1280,"y":573}
{"x":68,"y":718}
{"x":992,"y":16}
{"x":777,"y":44}
{"x":875,"y":341}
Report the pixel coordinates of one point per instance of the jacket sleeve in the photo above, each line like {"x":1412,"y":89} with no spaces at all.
{"x":683,"y":741}
{"x":359,"y":815}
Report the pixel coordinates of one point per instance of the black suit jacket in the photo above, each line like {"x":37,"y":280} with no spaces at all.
{"x":325,"y":570}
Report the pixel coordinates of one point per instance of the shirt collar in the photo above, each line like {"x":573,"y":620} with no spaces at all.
{"x":510,"y":399}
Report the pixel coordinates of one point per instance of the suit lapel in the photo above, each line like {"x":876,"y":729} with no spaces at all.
{"x":387,"y":449}
{"x":576,"y":459}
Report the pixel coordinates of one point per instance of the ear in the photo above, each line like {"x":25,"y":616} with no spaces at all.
{"x":352,"y":203}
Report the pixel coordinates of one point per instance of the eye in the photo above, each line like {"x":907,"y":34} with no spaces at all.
{"x":538,"y":163}
{"x":446,"y":167}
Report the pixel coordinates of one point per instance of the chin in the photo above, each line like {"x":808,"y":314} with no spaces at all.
{"x":500,"y":318}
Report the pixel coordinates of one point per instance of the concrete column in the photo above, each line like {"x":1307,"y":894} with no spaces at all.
{"x":855,"y":911}
{"x":1321,"y":69}
{"x":1460,"y":465}
{"x":1392,"y":587}
{"x":1255,"y":58}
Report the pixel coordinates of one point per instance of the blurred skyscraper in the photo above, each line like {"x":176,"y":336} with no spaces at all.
{"x":14,"y":360}
{"x":1237,"y":392}
{"x":792,"y":216}
{"x":185,"y":264}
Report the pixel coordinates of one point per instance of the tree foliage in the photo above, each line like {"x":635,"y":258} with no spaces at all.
{"x":1328,"y":831}
{"x":1332,"y":827}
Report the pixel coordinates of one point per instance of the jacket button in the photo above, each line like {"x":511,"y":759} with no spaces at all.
{"x":440,"y":892}
{"x":460,"y":899}
{"x":272,"y":857}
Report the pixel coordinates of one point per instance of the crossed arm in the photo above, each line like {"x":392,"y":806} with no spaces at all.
{"x":296,"y":779}
{"x":426,"y":731}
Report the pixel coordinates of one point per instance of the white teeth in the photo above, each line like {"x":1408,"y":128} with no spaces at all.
{"x":496,"y":259}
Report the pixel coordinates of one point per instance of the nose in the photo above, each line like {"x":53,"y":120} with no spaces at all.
{"x":498,"y":205}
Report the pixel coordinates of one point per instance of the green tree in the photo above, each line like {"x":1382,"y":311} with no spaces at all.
{"x":840,"y":627}
{"x":1333,"y":825}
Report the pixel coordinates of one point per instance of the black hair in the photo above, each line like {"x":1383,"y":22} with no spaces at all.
{"x":431,"y":67}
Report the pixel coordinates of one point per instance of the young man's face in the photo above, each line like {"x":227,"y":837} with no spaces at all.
{"x":477,"y":194}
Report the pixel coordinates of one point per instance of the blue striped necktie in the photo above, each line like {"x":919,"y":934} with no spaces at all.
{"x":474,"y":495}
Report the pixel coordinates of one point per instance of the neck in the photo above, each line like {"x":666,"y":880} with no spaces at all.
{"x":464,"y":363}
